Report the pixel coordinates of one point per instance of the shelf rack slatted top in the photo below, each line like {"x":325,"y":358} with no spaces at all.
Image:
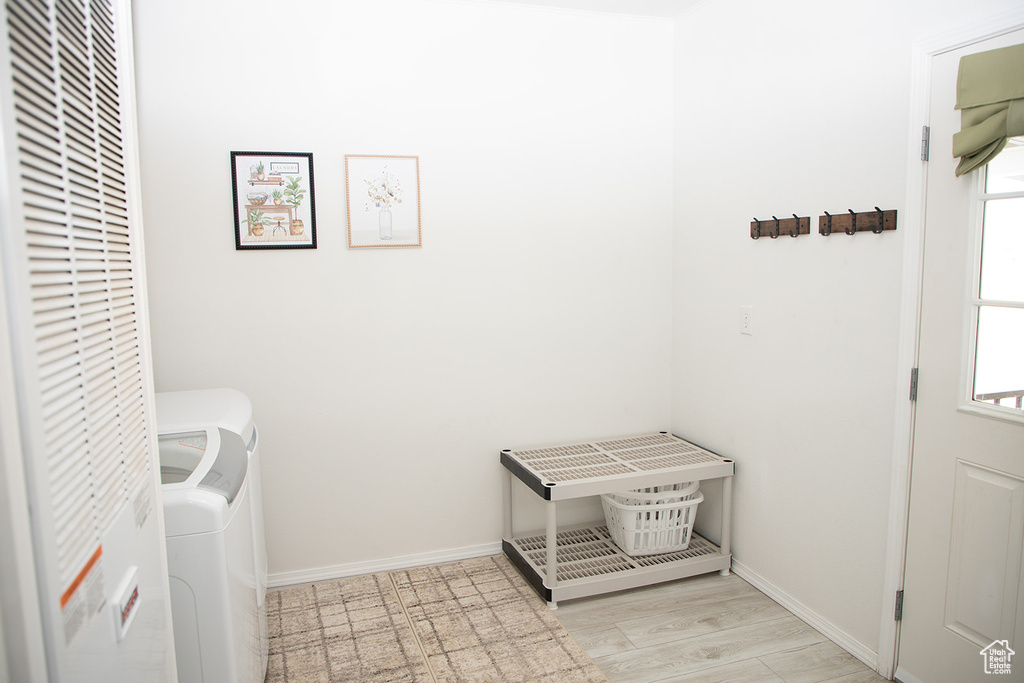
{"x":625,"y":463}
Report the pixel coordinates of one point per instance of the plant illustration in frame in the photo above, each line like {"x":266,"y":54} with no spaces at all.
{"x":293,"y":191}
{"x":269,"y":190}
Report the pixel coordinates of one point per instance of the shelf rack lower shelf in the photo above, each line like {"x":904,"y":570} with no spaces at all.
{"x":589,"y":563}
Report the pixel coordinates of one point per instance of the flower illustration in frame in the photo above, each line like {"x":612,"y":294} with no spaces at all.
{"x":383,"y":200}
{"x":384,"y":190}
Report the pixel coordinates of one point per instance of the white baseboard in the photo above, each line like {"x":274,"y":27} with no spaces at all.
{"x":280,"y":579}
{"x":825,"y":627}
{"x":904,"y":677}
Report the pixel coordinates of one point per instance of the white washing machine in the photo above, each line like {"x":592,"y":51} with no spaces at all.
{"x":209,"y":456}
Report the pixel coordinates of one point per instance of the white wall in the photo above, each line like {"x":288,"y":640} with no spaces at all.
{"x":386,"y":381}
{"x":797,"y":106}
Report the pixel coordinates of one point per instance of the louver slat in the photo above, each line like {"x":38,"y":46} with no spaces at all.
{"x":29,"y":36}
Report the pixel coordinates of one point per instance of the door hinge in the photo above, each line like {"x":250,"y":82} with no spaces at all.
{"x":913,"y":384}
{"x":899,"y":605}
{"x":925,"y":139}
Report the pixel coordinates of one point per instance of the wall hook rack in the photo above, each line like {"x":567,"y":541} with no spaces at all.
{"x":852,"y":222}
{"x":794,"y":227}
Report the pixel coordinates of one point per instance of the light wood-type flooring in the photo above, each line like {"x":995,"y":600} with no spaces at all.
{"x":708,"y":628}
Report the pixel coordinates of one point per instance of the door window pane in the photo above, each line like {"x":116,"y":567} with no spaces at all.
{"x":1002,"y":250}
{"x":999,"y":364}
{"x":1006,"y":171}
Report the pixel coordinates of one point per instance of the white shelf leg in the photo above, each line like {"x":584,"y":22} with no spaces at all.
{"x":726,"y":520}
{"x":552,"y":547}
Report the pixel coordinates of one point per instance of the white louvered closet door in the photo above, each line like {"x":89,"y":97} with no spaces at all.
{"x":71,"y":271}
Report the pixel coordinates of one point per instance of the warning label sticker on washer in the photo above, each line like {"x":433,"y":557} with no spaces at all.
{"x":84,"y":597}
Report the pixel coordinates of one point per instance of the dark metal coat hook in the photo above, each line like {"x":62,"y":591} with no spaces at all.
{"x":852,"y":230}
{"x":775,"y":233}
{"x":757,"y":230}
{"x":881,"y":222}
{"x":796,"y":227}
{"x":827,"y":230}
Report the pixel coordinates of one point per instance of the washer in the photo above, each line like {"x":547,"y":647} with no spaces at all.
{"x":181,"y":411}
{"x":209,"y":456}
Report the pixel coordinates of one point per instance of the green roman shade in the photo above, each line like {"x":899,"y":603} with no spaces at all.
{"x":990,"y":97}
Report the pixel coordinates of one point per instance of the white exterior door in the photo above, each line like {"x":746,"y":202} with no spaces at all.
{"x":963,"y":605}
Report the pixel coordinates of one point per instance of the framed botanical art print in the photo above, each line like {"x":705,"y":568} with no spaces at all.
{"x":383,"y":195}
{"x":273,"y":200}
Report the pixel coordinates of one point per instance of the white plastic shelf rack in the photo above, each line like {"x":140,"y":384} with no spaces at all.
{"x":574,"y":562}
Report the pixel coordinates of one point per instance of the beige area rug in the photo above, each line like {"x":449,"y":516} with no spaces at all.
{"x":474,"y":620}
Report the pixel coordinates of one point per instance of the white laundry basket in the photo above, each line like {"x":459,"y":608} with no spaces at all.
{"x":654,"y":520}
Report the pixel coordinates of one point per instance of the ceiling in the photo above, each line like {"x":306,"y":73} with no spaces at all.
{"x":639,"y":8}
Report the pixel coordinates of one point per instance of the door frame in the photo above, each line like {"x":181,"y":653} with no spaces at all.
{"x":910,"y":312}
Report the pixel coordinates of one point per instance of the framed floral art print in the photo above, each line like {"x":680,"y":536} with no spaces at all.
{"x":273,"y":200}
{"x":383,"y":195}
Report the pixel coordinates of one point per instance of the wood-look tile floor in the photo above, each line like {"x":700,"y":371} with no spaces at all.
{"x":706,"y":629}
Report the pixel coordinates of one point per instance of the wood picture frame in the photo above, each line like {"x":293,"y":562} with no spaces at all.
{"x":383,"y":196}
